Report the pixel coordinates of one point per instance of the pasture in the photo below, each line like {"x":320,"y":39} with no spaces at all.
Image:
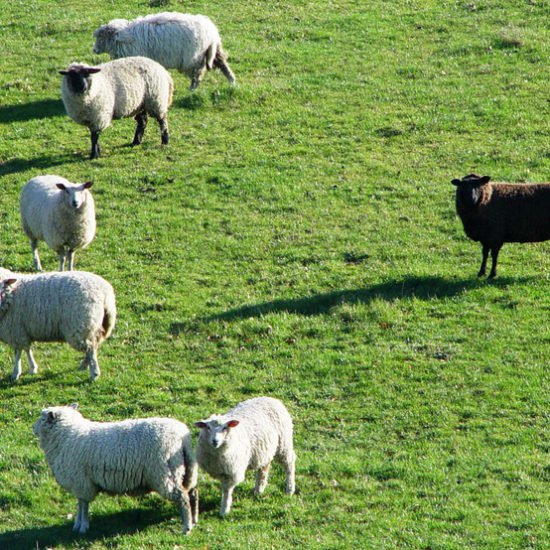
{"x":298,"y":238}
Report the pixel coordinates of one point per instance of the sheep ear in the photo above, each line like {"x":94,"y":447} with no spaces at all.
{"x":87,"y":184}
{"x":232,"y":423}
{"x":50,"y":418}
{"x":74,"y":406}
{"x":456,"y":182}
{"x":92,"y":70}
{"x":483,"y":180}
{"x":9,"y":282}
{"x":200,"y":424}
{"x":63,"y":72}
{"x":61,"y":186}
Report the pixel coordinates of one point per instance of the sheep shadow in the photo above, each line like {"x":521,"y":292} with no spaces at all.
{"x":16,"y":165}
{"x":423,"y":288}
{"x":102,"y":526}
{"x":44,"y":108}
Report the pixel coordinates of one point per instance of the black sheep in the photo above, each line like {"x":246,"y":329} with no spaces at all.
{"x":498,"y":213}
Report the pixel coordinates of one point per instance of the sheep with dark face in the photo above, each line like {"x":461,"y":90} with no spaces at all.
{"x":497,"y":213}
{"x":133,"y":86}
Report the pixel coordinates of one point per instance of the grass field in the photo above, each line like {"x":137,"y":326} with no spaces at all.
{"x":298,"y":238}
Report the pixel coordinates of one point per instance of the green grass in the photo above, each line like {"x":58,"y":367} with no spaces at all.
{"x":298,"y":238}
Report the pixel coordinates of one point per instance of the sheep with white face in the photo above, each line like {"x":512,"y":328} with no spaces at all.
{"x":248,"y":437}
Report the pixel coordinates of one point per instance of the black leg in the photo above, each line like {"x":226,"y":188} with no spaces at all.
{"x":483,"y":267}
{"x":95,"y":152}
{"x":141,"y":119}
{"x":494,"y":256}
{"x":164,"y":137}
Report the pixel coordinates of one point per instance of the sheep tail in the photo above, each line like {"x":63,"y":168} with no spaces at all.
{"x":191,"y":475}
{"x":210,"y":56}
{"x":220,"y":61}
{"x":109,"y":318}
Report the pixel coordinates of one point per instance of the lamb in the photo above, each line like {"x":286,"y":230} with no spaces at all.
{"x":497,"y":213}
{"x":249,"y":436}
{"x":72,"y":306}
{"x":131,"y":456}
{"x":134,"y":86}
{"x":59,"y":212}
{"x":189,"y":43}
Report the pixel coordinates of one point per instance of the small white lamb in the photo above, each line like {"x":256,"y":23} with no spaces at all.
{"x":134,"y":86}
{"x":249,"y":436}
{"x":59,"y":212}
{"x":128,"y":457}
{"x":189,"y":43}
{"x":72,"y":306}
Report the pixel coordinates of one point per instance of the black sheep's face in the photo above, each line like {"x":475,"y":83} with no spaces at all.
{"x":468,"y":189}
{"x":78,"y":78}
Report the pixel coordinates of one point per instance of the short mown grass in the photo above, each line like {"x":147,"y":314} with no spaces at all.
{"x":298,"y":239}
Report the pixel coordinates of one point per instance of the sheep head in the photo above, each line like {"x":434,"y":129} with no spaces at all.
{"x":75,"y":195}
{"x":78,"y":77}
{"x":107,"y":35}
{"x":469,"y":188}
{"x":216,"y":429}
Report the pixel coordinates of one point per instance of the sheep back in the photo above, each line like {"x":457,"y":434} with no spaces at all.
{"x":74,"y":307}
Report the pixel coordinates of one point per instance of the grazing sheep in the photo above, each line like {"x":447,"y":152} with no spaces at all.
{"x":127,"y":457}
{"x":189,"y":43}
{"x":249,"y":436}
{"x":134,"y":86}
{"x":498,"y":213}
{"x":59,"y":212}
{"x":73,"y":306}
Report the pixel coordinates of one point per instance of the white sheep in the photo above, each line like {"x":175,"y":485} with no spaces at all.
{"x":59,"y":212}
{"x":134,"y":86}
{"x":127,"y":457}
{"x":249,"y":436}
{"x":189,"y":43}
{"x":73,"y":306}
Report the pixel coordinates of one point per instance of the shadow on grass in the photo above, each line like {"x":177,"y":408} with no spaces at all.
{"x":13,"y":166}
{"x":44,"y":108}
{"x":422,"y":288}
{"x":102,"y":526}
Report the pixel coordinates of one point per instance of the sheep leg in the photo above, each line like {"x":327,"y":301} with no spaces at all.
{"x":91,"y":361}
{"x":194,"y":500}
{"x":82,"y":523}
{"x":141,"y":119}
{"x":163,"y":123}
{"x":96,"y":151}
{"x":485,"y":255}
{"x":61,"y":258}
{"x":261,"y":479}
{"x":186,"y":513}
{"x":70,"y":257}
{"x":35,"y":257}
{"x":33,"y":367}
{"x":227,"y":497}
{"x":17,"y":366}
{"x":221,"y":64}
{"x":290,"y":466}
{"x":494,"y":257}
{"x":198,"y":73}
